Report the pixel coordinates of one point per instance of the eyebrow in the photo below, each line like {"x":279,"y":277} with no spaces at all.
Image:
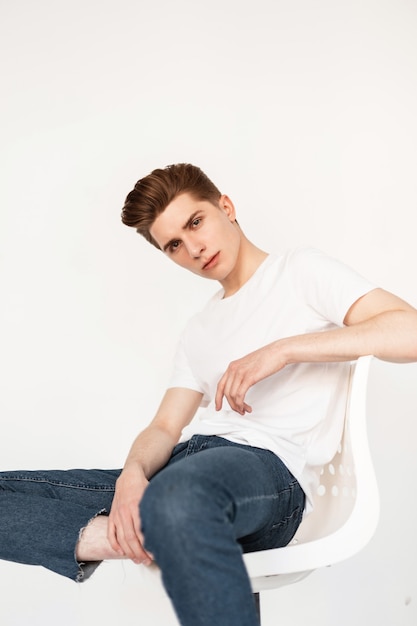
{"x":185,"y":226}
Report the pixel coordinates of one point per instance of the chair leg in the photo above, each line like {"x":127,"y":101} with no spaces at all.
{"x":258,"y":605}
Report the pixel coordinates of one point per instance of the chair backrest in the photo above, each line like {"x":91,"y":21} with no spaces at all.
{"x":337,"y":490}
{"x":346,"y":506}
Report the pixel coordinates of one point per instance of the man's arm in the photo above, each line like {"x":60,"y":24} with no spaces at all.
{"x":150,"y":451}
{"x":379,"y":323}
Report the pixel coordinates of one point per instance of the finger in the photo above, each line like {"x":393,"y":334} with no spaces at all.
{"x":237,"y":400}
{"x":141,"y":538}
{"x":236,"y":395}
{"x":136,"y":543}
{"x":232,"y":388}
{"x":111,"y":536}
{"x":231,"y":396}
{"x":125,"y":536}
{"x":131,"y":545}
{"x":220,"y":393}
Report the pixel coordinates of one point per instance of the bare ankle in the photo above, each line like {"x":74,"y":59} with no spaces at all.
{"x":93,"y":544}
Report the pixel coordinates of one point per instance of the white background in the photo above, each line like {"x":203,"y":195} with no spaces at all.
{"x":305,"y":114}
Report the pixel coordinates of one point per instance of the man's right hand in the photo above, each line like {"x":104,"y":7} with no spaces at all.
{"x":124,"y":527}
{"x":150,"y":452}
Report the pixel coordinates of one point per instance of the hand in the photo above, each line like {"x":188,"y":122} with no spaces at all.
{"x":124,"y":529}
{"x":244,"y":373}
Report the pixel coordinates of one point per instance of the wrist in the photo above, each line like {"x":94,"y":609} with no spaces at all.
{"x":133,"y":466}
{"x":285,"y":350}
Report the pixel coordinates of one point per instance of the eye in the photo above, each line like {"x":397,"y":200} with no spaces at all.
{"x":174,"y":245}
{"x":196,"y":222}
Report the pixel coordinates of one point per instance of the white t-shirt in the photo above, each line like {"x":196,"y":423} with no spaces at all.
{"x":298,"y":412}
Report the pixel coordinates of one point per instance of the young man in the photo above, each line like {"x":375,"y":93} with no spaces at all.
{"x":268,"y":359}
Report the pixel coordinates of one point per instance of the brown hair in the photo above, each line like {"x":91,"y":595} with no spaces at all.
{"x":152,"y":194}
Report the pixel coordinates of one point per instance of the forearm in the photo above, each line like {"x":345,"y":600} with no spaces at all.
{"x":150,"y":450}
{"x":390,"y":336}
{"x":153,"y":446}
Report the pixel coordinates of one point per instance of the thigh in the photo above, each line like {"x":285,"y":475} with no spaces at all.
{"x":257,"y":492}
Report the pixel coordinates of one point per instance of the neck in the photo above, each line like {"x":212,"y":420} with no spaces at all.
{"x":249,"y":259}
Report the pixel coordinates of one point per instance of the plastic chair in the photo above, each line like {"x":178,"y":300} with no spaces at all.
{"x":346,"y":506}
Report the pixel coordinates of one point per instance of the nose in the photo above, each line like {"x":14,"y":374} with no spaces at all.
{"x":195,"y":248}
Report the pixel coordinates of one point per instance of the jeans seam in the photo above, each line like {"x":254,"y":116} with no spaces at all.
{"x":56,"y":483}
{"x":271,"y":496}
{"x":288,"y":518}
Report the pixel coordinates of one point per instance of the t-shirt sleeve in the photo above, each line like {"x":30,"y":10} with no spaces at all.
{"x":182,"y":375}
{"x":329,"y":286}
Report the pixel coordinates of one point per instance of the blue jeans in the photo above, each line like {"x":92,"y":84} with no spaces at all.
{"x":211,"y":502}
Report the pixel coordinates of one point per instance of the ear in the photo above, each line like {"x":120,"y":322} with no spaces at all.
{"x":228,"y":207}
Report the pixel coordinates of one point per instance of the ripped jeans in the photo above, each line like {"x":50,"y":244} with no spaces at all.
{"x":213,"y":500}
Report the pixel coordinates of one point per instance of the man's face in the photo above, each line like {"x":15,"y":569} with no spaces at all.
{"x":199,"y":236}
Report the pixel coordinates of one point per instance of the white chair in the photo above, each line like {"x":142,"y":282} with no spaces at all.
{"x":346,"y":506}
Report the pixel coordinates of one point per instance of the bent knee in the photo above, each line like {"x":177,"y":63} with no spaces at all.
{"x":172,"y":505}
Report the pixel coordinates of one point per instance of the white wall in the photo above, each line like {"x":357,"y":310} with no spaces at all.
{"x":304,"y":113}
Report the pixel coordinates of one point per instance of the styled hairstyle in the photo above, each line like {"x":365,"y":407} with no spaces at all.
{"x":152,"y":194}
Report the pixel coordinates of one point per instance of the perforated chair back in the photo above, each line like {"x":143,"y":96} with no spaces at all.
{"x":346,"y":505}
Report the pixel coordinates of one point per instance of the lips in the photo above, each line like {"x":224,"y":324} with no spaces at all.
{"x":211,"y":262}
